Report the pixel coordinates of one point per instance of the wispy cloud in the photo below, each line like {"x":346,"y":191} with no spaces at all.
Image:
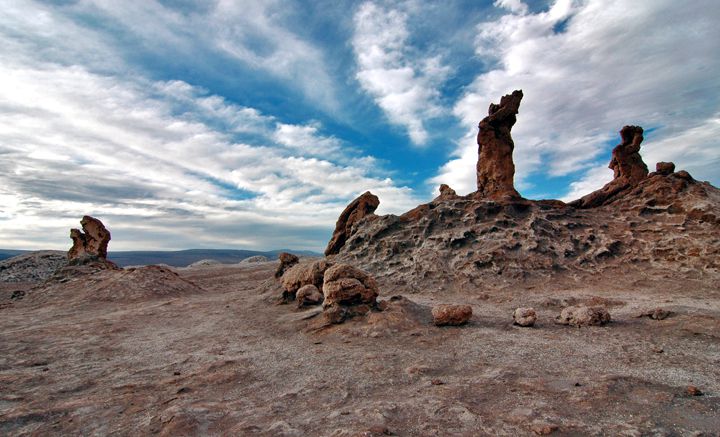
{"x":404,"y":84}
{"x":588,"y":68}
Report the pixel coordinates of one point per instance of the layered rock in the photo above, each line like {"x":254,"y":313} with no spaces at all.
{"x":495,"y":167}
{"x":628,"y":168}
{"x":348,"y":292}
{"x":90,"y":244}
{"x":359,"y":208}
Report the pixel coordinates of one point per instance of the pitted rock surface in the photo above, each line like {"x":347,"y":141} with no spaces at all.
{"x":91,"y":243}
{"x":359,"y":208}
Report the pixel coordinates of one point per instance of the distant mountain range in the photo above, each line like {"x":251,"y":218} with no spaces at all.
{"x":178,"y":258}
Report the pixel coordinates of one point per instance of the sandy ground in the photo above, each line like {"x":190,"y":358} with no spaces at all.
{"x":227,"y":361}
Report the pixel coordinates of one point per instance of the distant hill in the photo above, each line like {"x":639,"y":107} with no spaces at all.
{"x":179,"y":258}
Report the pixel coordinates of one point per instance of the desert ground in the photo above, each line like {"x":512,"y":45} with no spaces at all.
{"x":217,"y":355}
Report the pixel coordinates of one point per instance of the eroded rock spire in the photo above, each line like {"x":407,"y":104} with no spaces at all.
{"x":363,"y":206}
{"x":627,"y":165}
{"x":495,"y":167}
{"x":91,"y":243}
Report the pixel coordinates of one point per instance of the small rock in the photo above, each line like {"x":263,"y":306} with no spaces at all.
{"x":583,"y":316}
{"x":437,"y":382}
{"x":543,"y":428}
{"x":453,"y":315}
{"x":308,"y":295}
{"x":693,"y":391}
{"x":524,"y":317}
{"x":656,"y":314}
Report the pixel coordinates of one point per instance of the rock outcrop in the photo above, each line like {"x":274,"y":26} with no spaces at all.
{"x":303,"y":274}
{"x":90,"y":244}
{"x":652,"y":221}
{"x":348,"y":292}
{"x":495,"y":166}
{"x":665,"y":168}
{"x":287,"y":260}
{"x":359,"y":208}
{"x":308,"y":295}
{"x":628,"y":168}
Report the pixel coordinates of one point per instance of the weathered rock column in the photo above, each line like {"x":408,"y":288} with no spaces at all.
{"x":495,"y":167}
{"x":363,"y":206}
{"x":91,"y":243}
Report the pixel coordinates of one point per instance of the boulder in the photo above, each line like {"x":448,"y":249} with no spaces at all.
{"x":300,"y":275}
{"x":446,"y":191}
{"x":665,"y":168}
{"x":90,"y":244}
{"x":363,"y":206}
{"x":524,"y":317}
{"x":583,"y":316}
{"x":348,"y":292}
{"x":453,"y":315}
{"x":308,"y":295}
{"x":287,"y":260}
{"x":628,"y":170}
{"x":495,"y":167}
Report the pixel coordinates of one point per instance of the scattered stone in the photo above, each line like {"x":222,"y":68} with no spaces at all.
{"x":583,"y":316}
{"x":524,"y":317}
{"x":628,"y":167}
{"x":348,"y":292}
{"x":287,"y":260}
{"x":17,"y":295}
{"x":656,"y":314}
{"x":308,"y":295}
{"x":453,"y":315}
{"x":437,"y":381}
{"x":495,"y":167}
{"x":665,"y":168}
{"x":658,"y":350}
{"x":693,"y":391}
{"x":303,"y":274}
{"x":363,"y":206}
{"x":90,"y":244}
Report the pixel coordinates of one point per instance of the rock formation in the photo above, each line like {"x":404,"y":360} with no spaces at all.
{"x":90,"y":244}
{"x":495,"y":167}
{"x":451,"y":315}
{"x":348,"y":292}
{"x":308,"y":295}
{"x":363,"y":206}
{"x":303,"y":274}
{"x":628,"y":168}
{"x":665,"y":168}
{"x":287,"y":260}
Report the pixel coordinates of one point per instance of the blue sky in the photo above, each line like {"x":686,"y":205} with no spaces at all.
{"x":251,"y":124}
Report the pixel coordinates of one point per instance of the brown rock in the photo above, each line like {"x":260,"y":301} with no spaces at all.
{"x":308,"y":295}
{"x":495,"y":167}
{"x":90,"y":244}
{"x":363,"y":206}
{"x":348,"y":292}
{"x":628,"y":168}
{"x":693,"y":391}
{"x":453,"y":315}
{"x":583,"y":316}
{"x":524,"y":317}
{"x":446,"y":191}
{"x":347,"y":285}
{"x":287,"y":260}
{"x":665,"y":168}
{"x":543,"y":428}
{"x":304,"y":274}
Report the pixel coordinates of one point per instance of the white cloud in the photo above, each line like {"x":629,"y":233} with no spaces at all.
{"x":403,"y":84}
{"x":587,"y":68}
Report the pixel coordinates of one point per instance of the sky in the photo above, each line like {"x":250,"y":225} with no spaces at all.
{"x":252,"y":124}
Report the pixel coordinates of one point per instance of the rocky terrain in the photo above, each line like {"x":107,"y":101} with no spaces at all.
{"x":486,"y":314}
